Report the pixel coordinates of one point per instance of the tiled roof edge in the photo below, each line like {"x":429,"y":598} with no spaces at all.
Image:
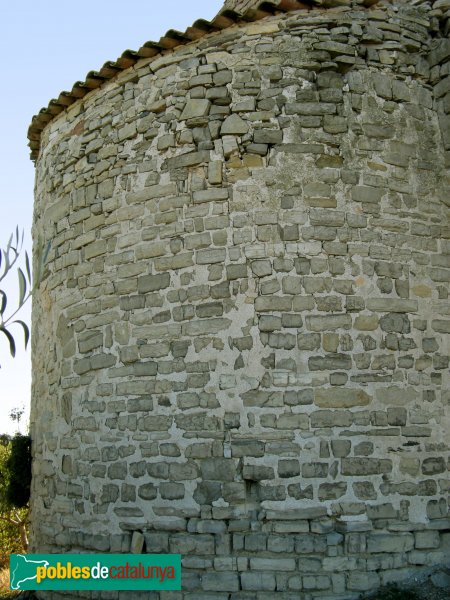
{"x":170,"y":41}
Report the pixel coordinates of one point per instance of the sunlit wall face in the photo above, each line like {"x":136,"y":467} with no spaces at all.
{"x":243,"y":324}
{"x":55,"y":50}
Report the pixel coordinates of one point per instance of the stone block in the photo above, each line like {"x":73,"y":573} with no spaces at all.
{"x":206,"y":326}
{"x":210,"y":256}
{"x":314,"y":469}
{"x":300,"y":397}
{"x":330,"y":361}
{"x":222,"y":469}
{"x":280,"y":543}
{"x":171,"y":491}
{"x":257,"y":473}
{"x":272,"y":564}
{"x":147,"y":491}
{"x":331,"y":418}
{"x":365,"y":466}
{"x":210,"y":195}
{"x":220,"y":581}
{"x":255,"y":542}
{"x":269,"y":323}
{"x":392,"y":305}
{"x":234,"y":125}
{"x":340,"y":448}
{"x":366,"y":322}
{"x":152,"y":283}
{"x":257,"y":581}
{"x":395,"y":323}
{"x":273,"y":304}
{"x":308,"y":341}
{"x":268,"y":136}
{"x":434,"y":465}
{"x":137,"y":542}
{"x":310,"y":108}
{"x":329,"y":322}
{"x":293,"y":421}
{"x":331,"y":491}
{"x":282,"y":340}
{"x":386,"y":542}
{"x":188,"y":159}
{"x":288,"y":468}
{"x":427,"y":539}
{"x":195,"y":108}
{"x":244,"y":448}
{"x":341,"y":398}
{"x":291,"y":285}
{"x":367,"y":195}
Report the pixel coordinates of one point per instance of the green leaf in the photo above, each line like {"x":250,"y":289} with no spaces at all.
{"x":22,"y":286}
{"x":12,"y":343}
{"x":42,"y":260}
{"x":7,"y":262}
{"x":2,"y":274}
{"x":3,"y":302}
{"x":27,"y":267}
{"x":26,"y":331}
{"x":46,"y":253}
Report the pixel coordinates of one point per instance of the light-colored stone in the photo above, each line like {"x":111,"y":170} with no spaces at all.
{"x":240,"y":345}
{"x":234,"y":125}
{"x":341,"y":398}
{"x":195,"y":108}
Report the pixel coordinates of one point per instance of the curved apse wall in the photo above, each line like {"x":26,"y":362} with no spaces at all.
{"x":241,"y":342}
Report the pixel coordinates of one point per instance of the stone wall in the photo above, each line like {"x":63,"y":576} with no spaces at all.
{"x":241,"y":341}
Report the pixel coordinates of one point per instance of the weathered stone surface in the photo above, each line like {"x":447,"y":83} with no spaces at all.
{"x":381,"y":542}
{"x":195,"y":108}
{"x":329,"y":322}
{"x":152,"y":283}
{"x":147,"y":491}
{"x":242,"y":348}
{"x":365,"y":466}
{"x":367,"y":194}
{"x":392,"y":305}
{"x":234,"y":125}
{"x":366,"y":322}
{"x":341,"y":398}
{"x":330,"y":361}
{"x":137,"y":542}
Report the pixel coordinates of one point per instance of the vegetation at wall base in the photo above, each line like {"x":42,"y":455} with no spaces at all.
{"x":15,"y":480}
{"x":19,"y":470}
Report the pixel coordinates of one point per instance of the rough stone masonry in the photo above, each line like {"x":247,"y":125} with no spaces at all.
{"x":241,"y":340}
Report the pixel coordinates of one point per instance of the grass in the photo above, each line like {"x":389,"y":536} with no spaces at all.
{"x":5,"y":592}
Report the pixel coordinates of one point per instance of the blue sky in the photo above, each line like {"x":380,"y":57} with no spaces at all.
{"x":45,"y":48}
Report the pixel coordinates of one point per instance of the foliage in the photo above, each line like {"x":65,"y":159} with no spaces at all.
{"x":5,"y":592}
{"x":8,"y":258}
{"x":18,"y":466}
{"x":16,"y":414}
{"x":10,"y":540}
{"x":15,"y":479}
